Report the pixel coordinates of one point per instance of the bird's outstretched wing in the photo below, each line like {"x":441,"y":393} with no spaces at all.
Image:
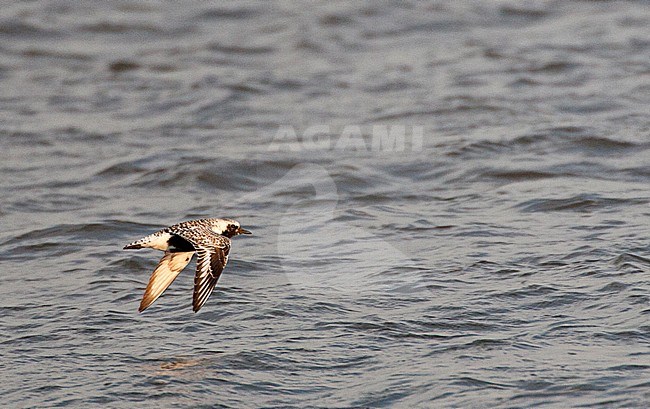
{"x":167,"y":270}
{"x":212,"y":251}
{"x":210,"y":264}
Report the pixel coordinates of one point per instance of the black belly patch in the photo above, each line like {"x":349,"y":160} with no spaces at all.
{"x":179,"y":244}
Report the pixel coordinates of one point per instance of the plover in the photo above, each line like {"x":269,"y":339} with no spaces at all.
{"x":208,"y":238}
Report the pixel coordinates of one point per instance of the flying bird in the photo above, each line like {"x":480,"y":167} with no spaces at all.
{"x":208,"y":238}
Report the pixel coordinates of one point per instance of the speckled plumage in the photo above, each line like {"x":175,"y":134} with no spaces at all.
{"x":208,"y":238}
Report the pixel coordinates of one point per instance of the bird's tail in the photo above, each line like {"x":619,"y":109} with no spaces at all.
{"x":134,"y":245}
{"x":157,"y":241}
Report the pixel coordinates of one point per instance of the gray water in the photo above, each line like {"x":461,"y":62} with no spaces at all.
{"x":504,"y":262}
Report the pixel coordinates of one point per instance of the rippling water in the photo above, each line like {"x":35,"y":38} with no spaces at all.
{"x":504,"y":263}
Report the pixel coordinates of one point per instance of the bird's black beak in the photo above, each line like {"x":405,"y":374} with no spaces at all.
{"x":243,"y":231}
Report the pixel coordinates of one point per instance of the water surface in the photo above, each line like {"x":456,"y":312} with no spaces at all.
{"x":505,"y":263}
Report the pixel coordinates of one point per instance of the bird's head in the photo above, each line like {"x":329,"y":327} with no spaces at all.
{"x":228,"y":227}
